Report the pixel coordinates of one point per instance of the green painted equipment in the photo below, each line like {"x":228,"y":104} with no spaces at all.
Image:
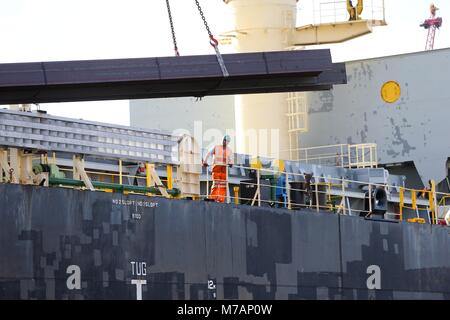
{"x":52,"y":169}
{"x":112,"y":186}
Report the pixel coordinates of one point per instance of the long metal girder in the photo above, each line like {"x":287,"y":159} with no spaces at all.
{"x":90,"y":80}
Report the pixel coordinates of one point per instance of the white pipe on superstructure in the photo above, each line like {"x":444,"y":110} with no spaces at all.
{"x":262,"y":25}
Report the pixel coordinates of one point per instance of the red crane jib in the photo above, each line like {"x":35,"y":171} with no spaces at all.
{"x":436,"y":22}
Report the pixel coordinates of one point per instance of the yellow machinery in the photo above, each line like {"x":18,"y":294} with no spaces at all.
{"x":355,"y":11}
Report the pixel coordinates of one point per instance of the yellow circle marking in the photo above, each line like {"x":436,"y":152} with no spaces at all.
{"x":391,"y":91}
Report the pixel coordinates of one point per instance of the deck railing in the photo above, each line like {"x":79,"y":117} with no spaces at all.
{"x":362,"y":155}
{"x":330,"y":11}
{"x":337,"y":193}
{"x":332,"y":194}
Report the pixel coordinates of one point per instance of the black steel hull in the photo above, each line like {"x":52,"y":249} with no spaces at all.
{"x":180,"y":249}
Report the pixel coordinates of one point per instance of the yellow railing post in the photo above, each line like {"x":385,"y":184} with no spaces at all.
{"x":414,"y":199}
{"x":169,"y":177}
{"x":402,"y":198}
{"x":432,"y":197}
{"x":258,"y":181}
{"x":148,"y":176}
{"x":120,"y":173}
{"x":431,"y":201}
{"x":236,"y":195}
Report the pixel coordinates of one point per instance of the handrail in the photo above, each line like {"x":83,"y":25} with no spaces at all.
{"x":332,"y":185}
{"x":101,"y":173}
{"x":343,"y":155}
{"x":335,"y":11}
{"x":332,"y":188}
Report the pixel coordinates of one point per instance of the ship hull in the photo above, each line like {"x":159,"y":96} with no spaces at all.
{"x":58,"y":243}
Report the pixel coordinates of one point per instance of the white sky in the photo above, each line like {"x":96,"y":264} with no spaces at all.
{"x":46,"y":30}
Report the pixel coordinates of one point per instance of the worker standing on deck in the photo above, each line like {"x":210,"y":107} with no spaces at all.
{"x":222,"y":157}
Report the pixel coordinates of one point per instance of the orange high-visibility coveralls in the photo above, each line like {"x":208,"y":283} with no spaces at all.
{"x":223,"y":156}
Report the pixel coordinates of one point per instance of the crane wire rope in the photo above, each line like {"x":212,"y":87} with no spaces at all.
{"x":172,"y":28}
{"x":213,"y":41}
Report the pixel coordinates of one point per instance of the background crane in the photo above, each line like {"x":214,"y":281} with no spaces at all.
{"x":432,"y":24}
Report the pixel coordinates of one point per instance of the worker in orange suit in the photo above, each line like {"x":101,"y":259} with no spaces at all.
{"x":222,"y":157}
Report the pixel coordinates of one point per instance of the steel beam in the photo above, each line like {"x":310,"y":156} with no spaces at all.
{"x":91,"y":80}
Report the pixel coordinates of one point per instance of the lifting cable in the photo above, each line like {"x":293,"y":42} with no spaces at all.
{"x":174,"y":38}
{"x":213,"y":41}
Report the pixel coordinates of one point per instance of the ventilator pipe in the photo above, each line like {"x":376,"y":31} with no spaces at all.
{"x":261,"y":121}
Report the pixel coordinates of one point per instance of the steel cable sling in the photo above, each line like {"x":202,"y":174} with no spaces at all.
{"x":213,"y":41}
{"x":172,"y":28}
